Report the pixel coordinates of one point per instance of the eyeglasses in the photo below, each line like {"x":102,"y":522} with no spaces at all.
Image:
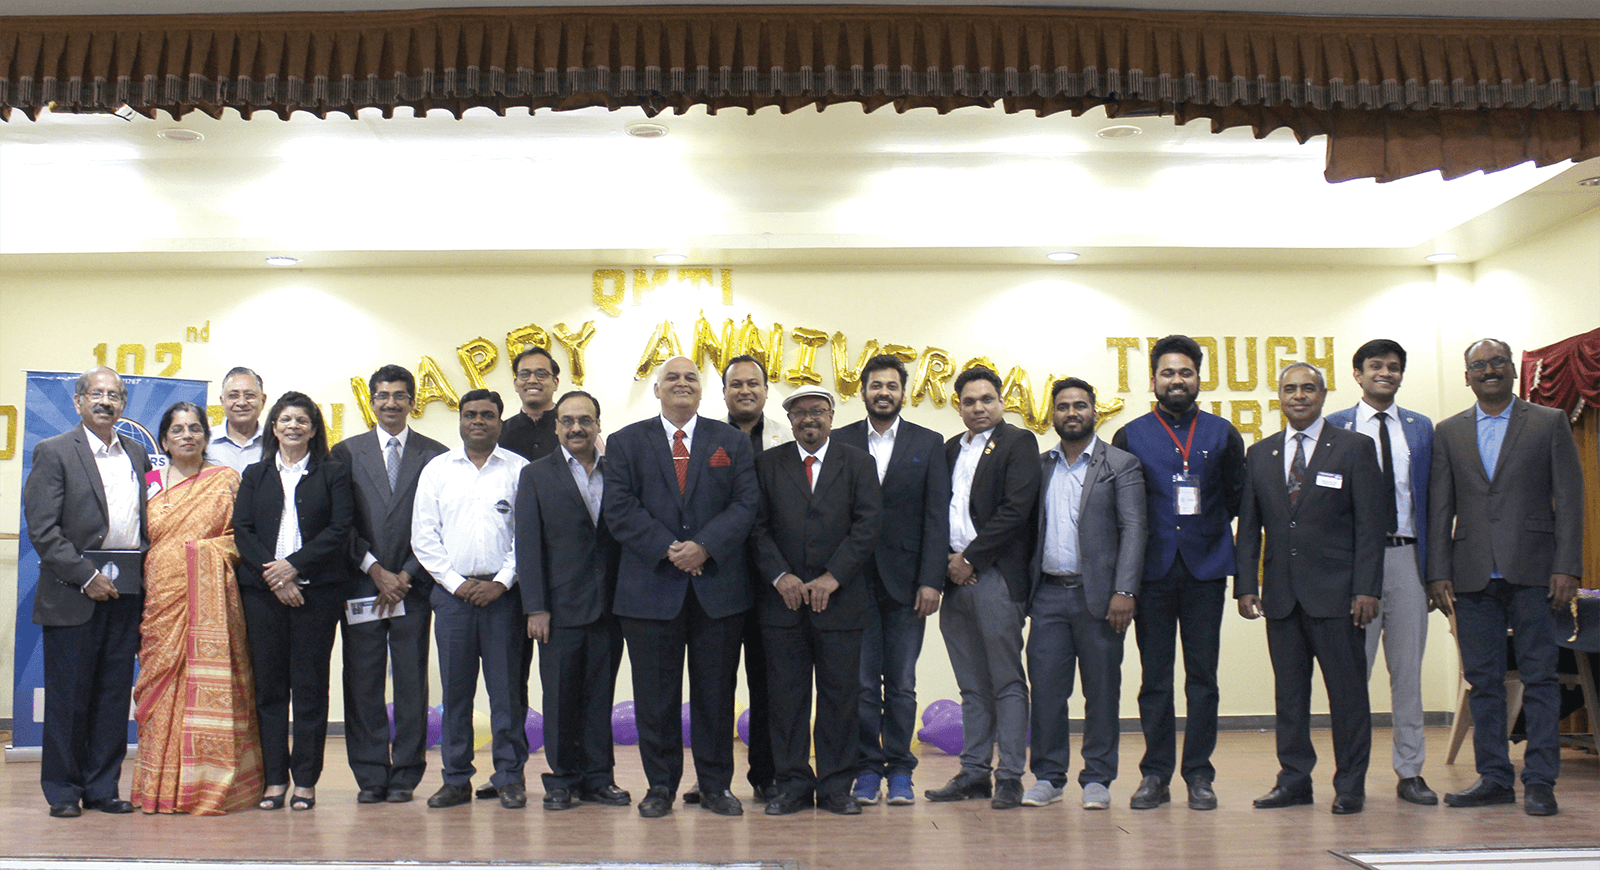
{"x":401,"y":396}
{"x":812,"y":414}
{"x":577,"y":422}
{"x":524,"y":375}
{"x":1497,"y":363}
{"x":103,"y":395}
{"x":246,"y":396}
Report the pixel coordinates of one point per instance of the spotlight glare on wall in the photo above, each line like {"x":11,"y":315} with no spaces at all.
{"x":1062,"y":256}
{"x":1442,"y":257}
{"x":282,"y":261}
{"x":671,"y":259}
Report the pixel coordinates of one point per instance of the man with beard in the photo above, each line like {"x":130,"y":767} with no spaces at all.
{"x":1086,"y":572}
{"x":814,"y":534}
{"x":1506,"y":477}
{"x":901,"y":581}
{"x":1194,"y":474}
{"x":237,"y":444}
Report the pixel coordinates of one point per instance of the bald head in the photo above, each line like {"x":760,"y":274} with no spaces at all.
{"x":678,"y":389}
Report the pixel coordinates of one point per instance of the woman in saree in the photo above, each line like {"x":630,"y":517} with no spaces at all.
{"x":194,"y":700}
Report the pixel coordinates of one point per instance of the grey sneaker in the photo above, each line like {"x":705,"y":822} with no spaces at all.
{"x":1041,"y":794}
{"x":1096,"y":796}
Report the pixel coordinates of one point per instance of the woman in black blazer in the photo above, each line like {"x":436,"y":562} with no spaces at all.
{"x":293,"y":577}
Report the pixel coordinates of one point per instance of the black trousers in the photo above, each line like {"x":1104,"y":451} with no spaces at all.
{"x":290,"y":650}
{"x":88,"y":687}
{"x":1179,"y":600}
{"x":578,"y":670}
{"x":1340,"y":649}
{"x":762,"y":769}
{"x":656,"y":649}
{"x":795,"y":653}
{"x":372,"y":649}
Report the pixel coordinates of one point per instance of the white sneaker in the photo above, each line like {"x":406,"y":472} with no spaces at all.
{"x":1042,"y":793}
{"x":1096,"y":797}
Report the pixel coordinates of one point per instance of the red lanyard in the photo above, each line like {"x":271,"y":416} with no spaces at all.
{"x":1183,"y":449}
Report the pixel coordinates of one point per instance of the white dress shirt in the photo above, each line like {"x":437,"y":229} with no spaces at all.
{"x":289,"y":476}
{"x":961,"y":529}
{"x":1367,"y":424}
{"x":463,"y":522}
{"x":882,"y":446}
{"x":816,"y":467}
{"x":369,"y":559}
{"x":122,"y":492}
{"x":1312,"y":433}
{"x":688,"y":432}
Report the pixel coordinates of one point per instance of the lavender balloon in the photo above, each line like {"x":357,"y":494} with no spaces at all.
{"x":435,"y":725}
{"x":744,"y":726}
{"x":535,"y":728}
{"x":942,"y":727}
{"x":686,"y":723}
{"x":624,"y":725}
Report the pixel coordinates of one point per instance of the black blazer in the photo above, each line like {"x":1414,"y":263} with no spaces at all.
{"x":1005,"y":494}
{"x":326,"y":507}
{"x":807,"y":532}
{"x":1329,"y":546}
{"x":914,"y":550}
{"x":382,"y":520}
{"x":566,"y":563}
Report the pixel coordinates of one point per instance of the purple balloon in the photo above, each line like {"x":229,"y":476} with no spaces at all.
{"x":624,"y":725}
{"x":535,"y":728}
{"x":936,"y":708}
{"x":435,"y":725}
{"x":391,"y":721}
{"x":942,"y":727}
{"x":686,"y":723}
{"x":744,"y":726}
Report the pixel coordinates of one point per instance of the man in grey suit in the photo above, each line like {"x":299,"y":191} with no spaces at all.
{"x":1085,"y":571}
{"x":1506,"y":505}
{"x":86,"y":492}
{"x":384,"y":464}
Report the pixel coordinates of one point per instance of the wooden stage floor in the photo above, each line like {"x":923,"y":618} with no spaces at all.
{"x":926,"y":835}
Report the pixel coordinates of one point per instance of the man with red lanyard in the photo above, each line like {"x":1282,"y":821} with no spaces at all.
{"x":1194,"y":476}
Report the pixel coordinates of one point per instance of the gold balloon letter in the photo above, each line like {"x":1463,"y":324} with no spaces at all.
{"x":363,"y":401}
{"x":575,"y":343}
{"x":1016,"y":396}
{"x":707,"y":346}
{"x":477,"y":357}
{"x":610,"y":301}
{"x":522,"y":338}
{"x":804,"y":372}
{"x":847,"y":377}
{"x":432,"y":386}
{"x":662,"y":347}
{"x":768,"y":348}
{"x":932,"y":375}
{"x":1234,"y":383}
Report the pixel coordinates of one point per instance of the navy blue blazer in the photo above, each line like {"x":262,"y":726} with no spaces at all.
{"x":326,"y":507}
{"x":913,"y":550}
{"x":646,"y":513}
{"x":566,"y":563}
{"x":1419,"y":440}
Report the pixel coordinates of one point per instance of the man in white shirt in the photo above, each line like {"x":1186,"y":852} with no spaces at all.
{"x":463,"y":534}
{"x":237,"y":442}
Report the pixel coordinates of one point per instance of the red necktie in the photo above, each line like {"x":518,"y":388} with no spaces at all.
{"x":680,"y":461}
{"x":810,"y":461}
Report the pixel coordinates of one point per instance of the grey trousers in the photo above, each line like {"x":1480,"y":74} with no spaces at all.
{"x":1402,"y":625}
{"x":1065,"y":637}
{"x":982,"y":630}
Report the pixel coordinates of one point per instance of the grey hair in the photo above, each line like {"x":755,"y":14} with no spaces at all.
{"x":241,"y":370}
{"x":82,"y":385}
{"x":1322,"y":382}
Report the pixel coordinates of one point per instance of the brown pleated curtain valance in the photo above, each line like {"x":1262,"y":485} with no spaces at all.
{"x":1395,"y":97}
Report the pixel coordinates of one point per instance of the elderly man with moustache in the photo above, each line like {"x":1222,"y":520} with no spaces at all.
{"x":237,"y":443}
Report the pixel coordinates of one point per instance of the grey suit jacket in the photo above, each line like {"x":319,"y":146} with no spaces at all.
{"x":383,"y":519}
{"x":1528,"y":522}
{"x":1111,"y":525}
{"x":65,"y":504}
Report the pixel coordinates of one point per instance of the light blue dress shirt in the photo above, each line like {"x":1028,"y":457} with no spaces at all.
{"x":1061,"y":510}
{"x":1491,"y":434}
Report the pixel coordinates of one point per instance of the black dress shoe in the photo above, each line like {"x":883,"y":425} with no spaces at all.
{"x":487,"y":792}
{"x":1007,"y":794}
{"x":115,"y":806}
{"x":1414,"y":790}
{"x":399,"y":796}
{"x":961,"y":787}
{"x":558,"y":799}
{"x":722,"y":803}
{"x":514,"y":796}
{"x":1150,"y":794}
{"x":657,"y":803}
{"x":607,"y":794}
{"x":451,"y":796}
{"x":1348,"y":804}
{"x":1201,"y":797}
{"x":1282,"y":797}
{"x":65,"y":811}
{"x":371,"y":796}
{"x":840,"y":804}
{"x":788,"y":804}
{"x":692,"y":796}
{"x":1539,"y":800}
{"x":766,"y":792}
{"x":1482,"y":793}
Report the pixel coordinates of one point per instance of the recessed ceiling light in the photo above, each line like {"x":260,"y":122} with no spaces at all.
{"x":1062,"y":256}
{"x":179,"y":134}
{"x":1592,"y":181}
{"x":646,"y":130}
{"x":1443,"y":257}
{"x":671,"y":258}
{"x":1118,"y":131}
{"x":282,"y":261}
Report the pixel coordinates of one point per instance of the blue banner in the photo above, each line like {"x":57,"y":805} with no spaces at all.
{"x":48,"y":411}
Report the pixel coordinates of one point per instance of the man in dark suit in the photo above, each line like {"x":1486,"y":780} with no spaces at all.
{"x":680,"y":498}
{"x":567,"y":571}
{"x":86,"y":492}
{"x":1507,"y":480}
{"x":1086,"y":571}
{"x":1316,"y":494}
{"x":902,"y":579}
{"x":384,"y":465}
{"x":994,"y":486}
{"x":814,"y":534}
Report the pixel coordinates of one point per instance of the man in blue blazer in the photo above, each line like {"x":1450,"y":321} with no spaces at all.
{"x":680,"y":498}
{"x":567,"y":571}
{"x":903,"y":578}
{"x":1403,"y":440}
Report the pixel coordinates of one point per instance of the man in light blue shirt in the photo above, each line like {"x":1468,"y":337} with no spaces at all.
{"x":237,"y":442}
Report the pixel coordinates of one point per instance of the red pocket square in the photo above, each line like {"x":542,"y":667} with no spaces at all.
{"x":720,"y":459}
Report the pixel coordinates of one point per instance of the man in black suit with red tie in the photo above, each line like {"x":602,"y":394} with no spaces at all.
{"x":815,"y":531}
{"x":680,"y":498}
{"x":1316,"y":495}
{"x":567,"y":571}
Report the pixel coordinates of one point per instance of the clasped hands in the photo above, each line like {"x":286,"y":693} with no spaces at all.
{"x":797,"y":592}
{"x":284,"y":581}
{"x":688,"y":557}
{"x":392,"y":588}
{"x":479,"y":593}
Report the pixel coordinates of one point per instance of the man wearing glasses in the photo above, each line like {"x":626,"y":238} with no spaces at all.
{"x":1506,"y":478}
{"x":237,"y":444}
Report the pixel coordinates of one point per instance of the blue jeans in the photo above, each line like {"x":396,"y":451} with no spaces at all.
{"x":1481,"y":621}
{"x":890,"y":647}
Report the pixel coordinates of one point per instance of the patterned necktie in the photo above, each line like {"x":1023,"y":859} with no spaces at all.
{"x":392,"y":462}
{"x":1297,"y":468}
{"x":810,"y":461}
{"x":1387,"y":451}
{"x":680,"y":461}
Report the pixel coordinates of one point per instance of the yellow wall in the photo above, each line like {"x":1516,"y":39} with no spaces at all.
{"x":314,"y":330}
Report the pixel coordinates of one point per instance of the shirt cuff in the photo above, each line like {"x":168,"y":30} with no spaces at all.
{"x":778,"y":578}
{"x":451,"y":581}
{"x":507,"y":577}
{"x":367,"y":562}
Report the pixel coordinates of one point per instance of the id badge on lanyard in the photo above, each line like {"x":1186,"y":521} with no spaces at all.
{"x":1186,"y":488}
